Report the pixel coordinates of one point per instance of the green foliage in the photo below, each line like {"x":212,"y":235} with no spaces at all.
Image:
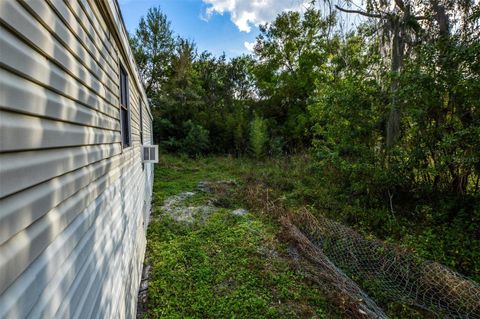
{"x":216,"y":270}
{"x":196,"y":141}
{"x":310,"y":89}
{"x":153,"y":45}
{"x":441,"y":122}
{"x":183,"y":253}
{"x":222,"y":96}
{"x":437,"y":151}
{"x":176,"y":174}
{"x":193,"y":141}
{"x":346,"y":132}
{"x":225,"y":265}
{"x":445,"y":230}
{"x":291,"y":53}
{"x":258,"y":136}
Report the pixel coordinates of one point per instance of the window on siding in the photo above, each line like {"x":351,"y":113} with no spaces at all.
{"x":124,"y":109}
{"x":141,"y":125}
{"x":141,"y":120}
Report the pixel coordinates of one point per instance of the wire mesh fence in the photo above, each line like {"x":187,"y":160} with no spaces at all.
{"x":344,"y":292}
{"x":342,"y":262}
{"x":337,"y":258}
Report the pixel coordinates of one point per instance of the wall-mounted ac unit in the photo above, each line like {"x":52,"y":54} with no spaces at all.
{"x":150,"y":153}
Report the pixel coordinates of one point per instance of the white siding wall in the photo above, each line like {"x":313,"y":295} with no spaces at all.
{"x":74,"y":203}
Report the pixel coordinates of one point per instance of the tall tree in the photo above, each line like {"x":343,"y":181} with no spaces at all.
{"x":153,"y":45}
{"x":404,"y":23}
{"x":291,"y":52}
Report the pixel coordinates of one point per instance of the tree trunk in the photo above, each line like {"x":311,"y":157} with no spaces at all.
{"x":398,"y":52}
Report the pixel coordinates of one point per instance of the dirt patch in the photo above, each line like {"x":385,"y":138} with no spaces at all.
{"x":176,"y":208}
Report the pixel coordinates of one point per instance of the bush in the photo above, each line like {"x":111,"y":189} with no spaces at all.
{"x":197,"y":141}
{"x":258,"y":136}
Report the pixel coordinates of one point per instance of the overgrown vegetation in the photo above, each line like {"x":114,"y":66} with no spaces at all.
{"x":293,"y":182}
{"x":247,"y":256}
{"x":220,"y":265}
{"x":258,"y":136}
{"x":377,"y":127}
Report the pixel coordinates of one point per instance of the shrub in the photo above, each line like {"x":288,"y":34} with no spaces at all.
{"x":258,"y":136}
{"x":196,"y":141}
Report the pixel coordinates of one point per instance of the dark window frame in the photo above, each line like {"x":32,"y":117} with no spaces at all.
{"x":141,"y":119}
{"x":141,"y":126}
{"x":125,"y":126}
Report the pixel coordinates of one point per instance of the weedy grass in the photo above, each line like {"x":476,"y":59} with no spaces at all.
{"x":222,"y":266}
{"x":229,"y":266}
{"x":176,"y":174}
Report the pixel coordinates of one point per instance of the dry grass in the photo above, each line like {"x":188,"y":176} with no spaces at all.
{"x":424,"y":285}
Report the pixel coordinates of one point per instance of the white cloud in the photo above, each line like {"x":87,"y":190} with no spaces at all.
{"x":245,"y":13}
{"x":249,"y":46}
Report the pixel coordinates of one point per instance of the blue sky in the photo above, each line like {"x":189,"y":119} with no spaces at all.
{"x":216,"y":33}
{"x":217,"y":26}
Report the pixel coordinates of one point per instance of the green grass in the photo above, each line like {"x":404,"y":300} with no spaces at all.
{"x":226,"y":266}
{"x":237,"y":267}
{"x":176,"y":174}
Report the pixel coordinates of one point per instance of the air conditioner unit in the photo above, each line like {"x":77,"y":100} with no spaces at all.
{"x":150,"y":153}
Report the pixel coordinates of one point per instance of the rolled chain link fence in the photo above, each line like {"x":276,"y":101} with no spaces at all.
{"x":336,"y":258}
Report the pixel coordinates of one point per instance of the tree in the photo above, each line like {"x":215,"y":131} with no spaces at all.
{"x":291,"y":53}
{"x":404,"y":24}
{"x":180,"y":99}
{"x":152,"y":46}
{"x":434,"y":82}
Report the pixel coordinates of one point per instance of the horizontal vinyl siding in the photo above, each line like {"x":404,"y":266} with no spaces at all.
{"x":45,"y":40}
{"x":22,"y":95}
{"x":22,"y":59}
{"x":74,"y":203}
{"x":22,"y":132}
{"x":59,"y":262}
{"x":23,"y":208}
{"x":39,"y":166}
{"x":93,"y":30}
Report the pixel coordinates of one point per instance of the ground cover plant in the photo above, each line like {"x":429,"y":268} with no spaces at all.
{"x":209,"y":262}
{"x":375,"y":126}
{"x":216,"y":263}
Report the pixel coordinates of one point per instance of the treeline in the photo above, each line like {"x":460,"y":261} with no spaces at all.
{"x":249,"y":105}
{"x":201,"y":103}
{"x":389,"y":109}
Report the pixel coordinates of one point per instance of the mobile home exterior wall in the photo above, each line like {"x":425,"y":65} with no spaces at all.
{"x":74,"y":196}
